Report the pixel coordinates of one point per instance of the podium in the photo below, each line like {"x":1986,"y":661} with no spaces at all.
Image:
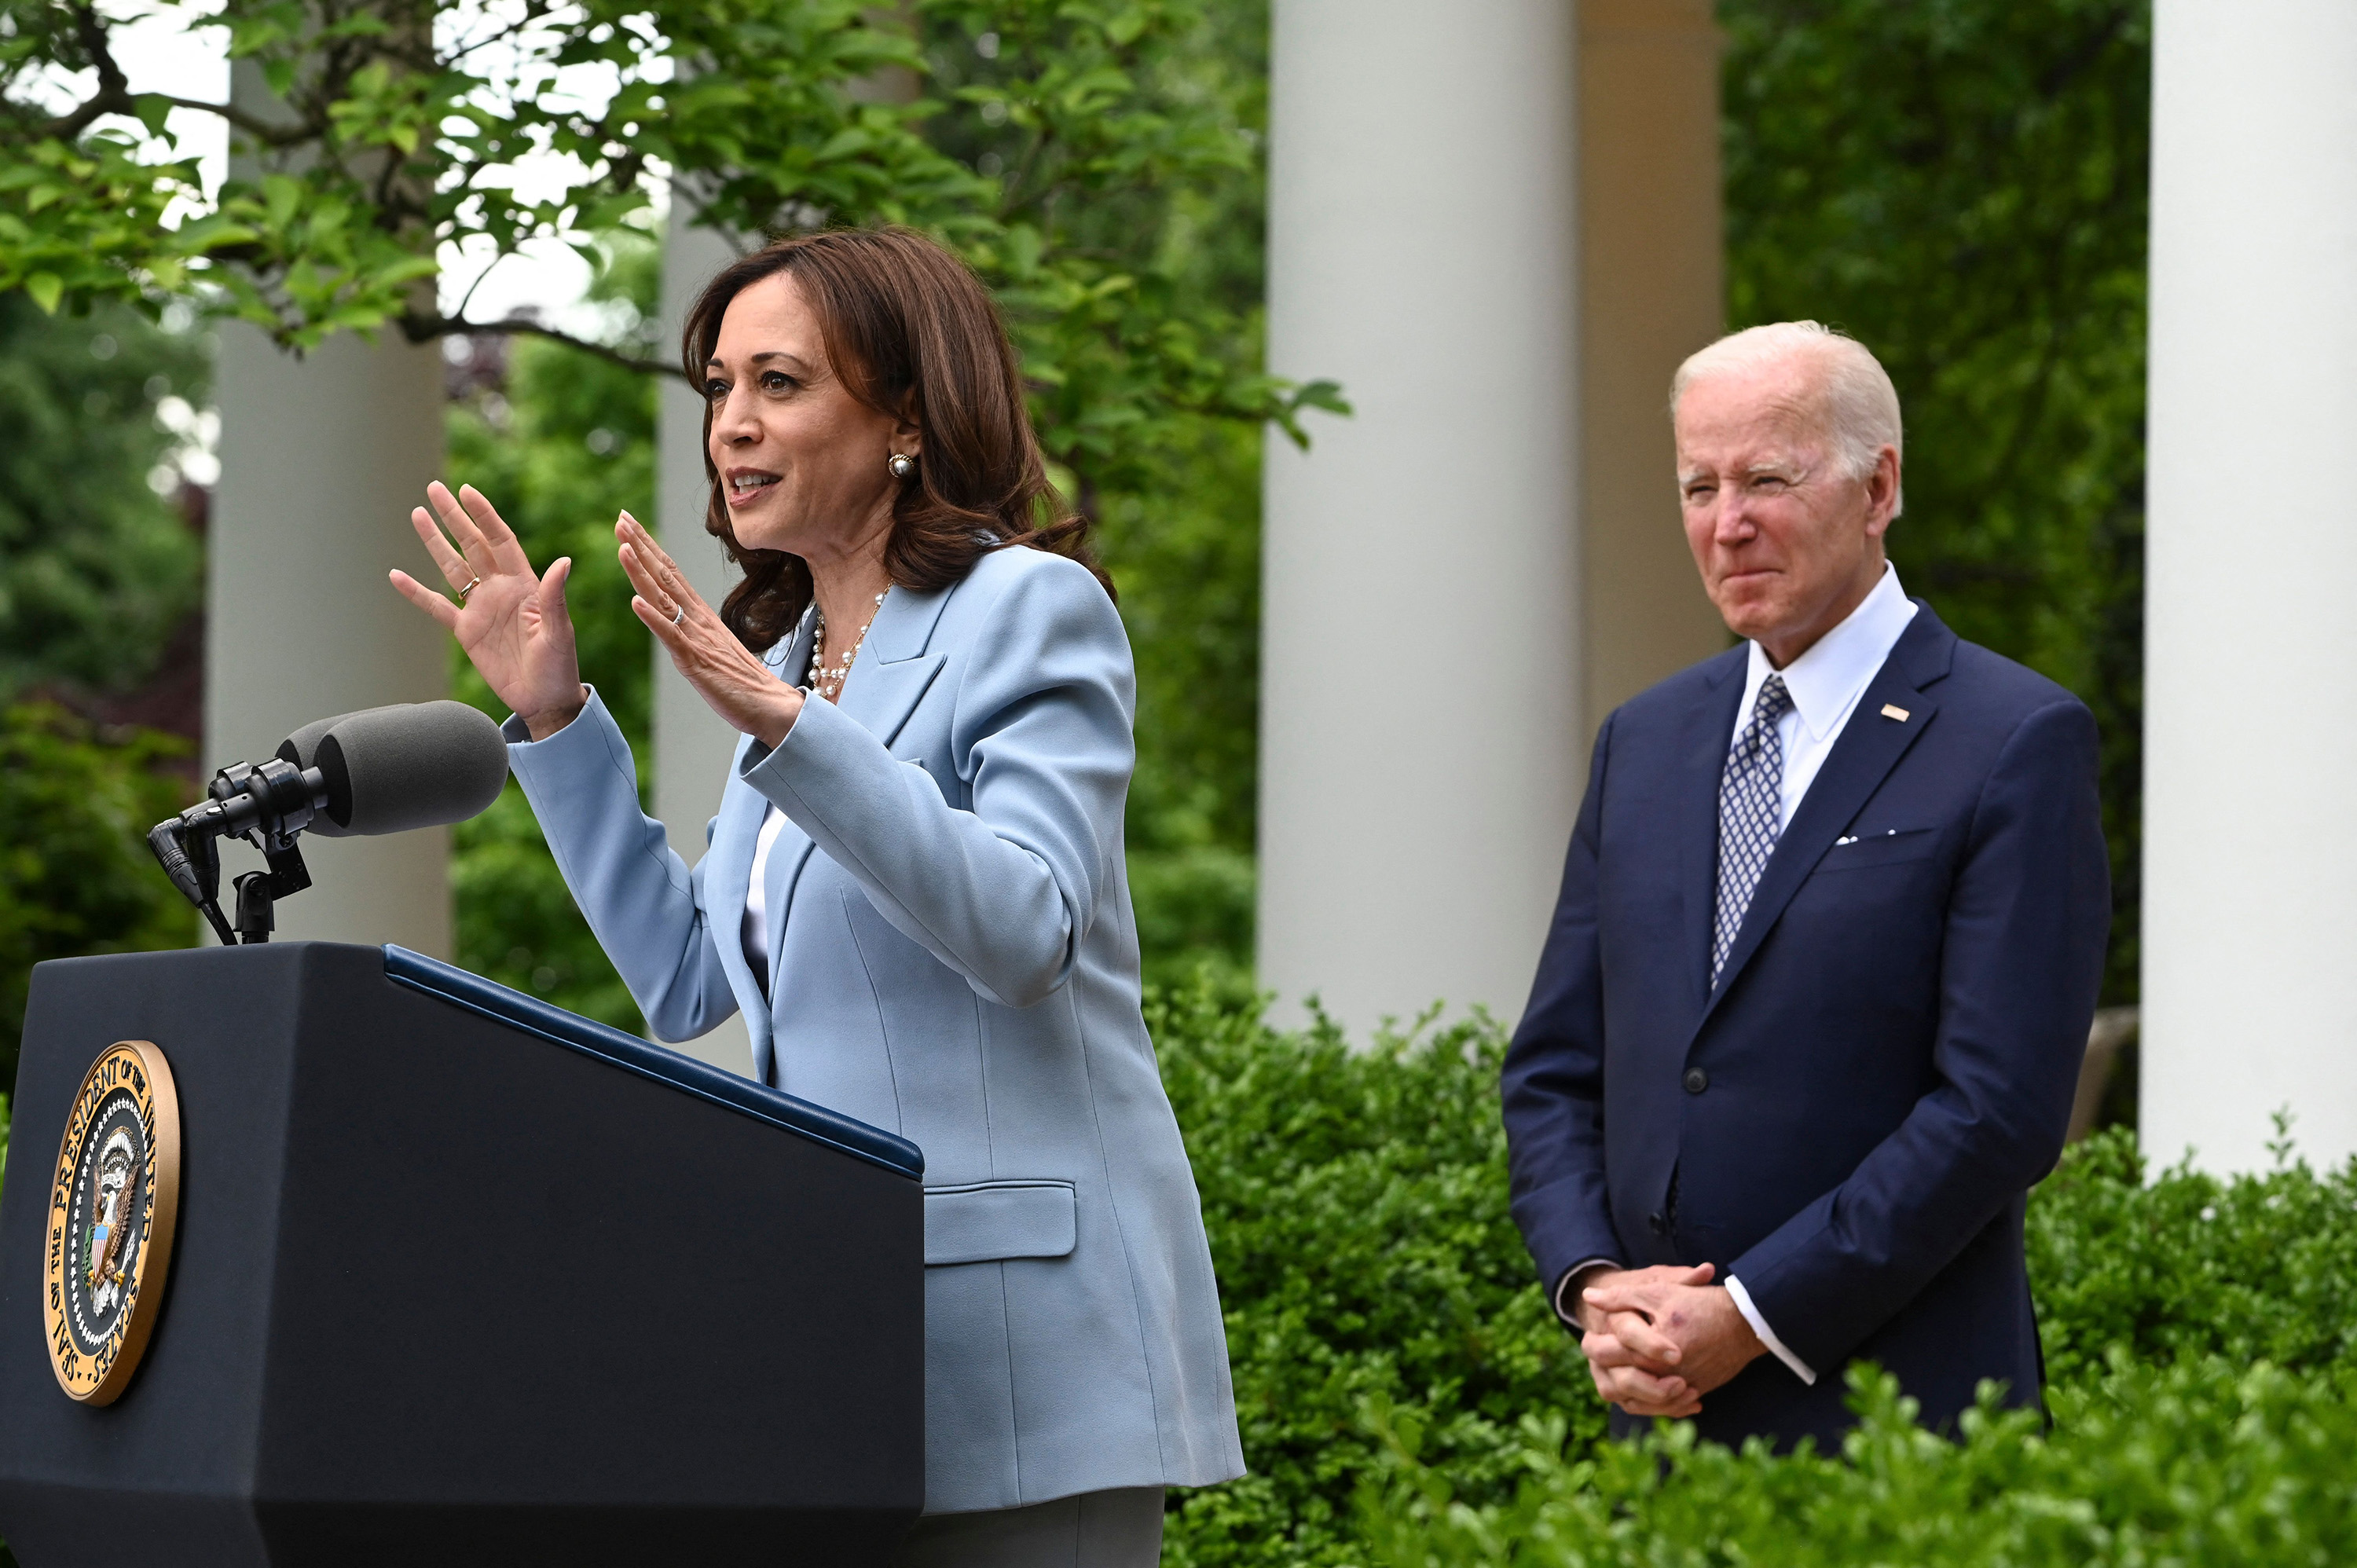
{"x":460,"y":1277}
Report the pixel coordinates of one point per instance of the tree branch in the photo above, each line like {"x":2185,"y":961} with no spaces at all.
{"x":117,"y":101}
{"x":428,"y":328}
{"x":114,"y":96}
{"x":261,"y":130}
{"x":92,"y":32}
{"x":534,"y":13}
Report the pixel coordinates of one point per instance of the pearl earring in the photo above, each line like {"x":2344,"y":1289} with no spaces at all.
{"x":901,"y":465}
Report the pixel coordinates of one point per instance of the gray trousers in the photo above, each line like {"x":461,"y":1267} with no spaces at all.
{"x":1117,"y":1529}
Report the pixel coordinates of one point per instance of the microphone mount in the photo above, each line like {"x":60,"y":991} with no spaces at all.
{"x":376,"y":770}
{"x":267,"y":804}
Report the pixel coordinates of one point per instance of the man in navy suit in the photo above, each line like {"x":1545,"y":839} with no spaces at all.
{"x":1811,"y":1012}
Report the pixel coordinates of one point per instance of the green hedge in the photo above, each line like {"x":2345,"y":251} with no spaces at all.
{"x":2201,"y":1462}
{"x":1405,"y":1398}
{"x":2262,"y":1267}
{"x":1357,"y":1210}
{"x":75,"y":874}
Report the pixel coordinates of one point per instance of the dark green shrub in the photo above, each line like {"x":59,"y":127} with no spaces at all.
{"x":96,"y":569}
{"x":75,"y":874}
{"x":2256,"y":1268}
{"x":1194,"y":909}
{"x":2203,"y":1462}
{"x":1376,"y":1293}
{"x":1357,"y":1210}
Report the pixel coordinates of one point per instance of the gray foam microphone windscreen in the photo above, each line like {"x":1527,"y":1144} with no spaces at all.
{"x":414,"y":765}
{"x":302,"y":749}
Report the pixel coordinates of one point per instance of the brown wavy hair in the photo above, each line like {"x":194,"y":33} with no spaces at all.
{"x":912,"y":334}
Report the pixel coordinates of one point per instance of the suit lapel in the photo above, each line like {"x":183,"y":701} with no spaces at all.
{"x":725,"y":881}
{"x":787,"y":858}
{"x":887,"y":678}
{"x":904,"y":624}
{"x":1869,"y":746}
{"x":882,"y":697}
{"x":788,"y":660}
{"x":893,"y":669}
{"x":735,"y":836}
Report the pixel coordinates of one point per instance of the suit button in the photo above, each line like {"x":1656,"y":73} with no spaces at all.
{"x":1697,"y":1081}
{"x":1661,"y":1225}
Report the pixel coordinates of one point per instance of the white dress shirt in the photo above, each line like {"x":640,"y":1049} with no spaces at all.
{"x":754,"y":933}
{"x":1825,"y":683}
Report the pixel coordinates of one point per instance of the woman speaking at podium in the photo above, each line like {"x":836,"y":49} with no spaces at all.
{"x":915,"y":888}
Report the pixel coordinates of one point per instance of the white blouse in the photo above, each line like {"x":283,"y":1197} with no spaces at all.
{"x":755,"y":934}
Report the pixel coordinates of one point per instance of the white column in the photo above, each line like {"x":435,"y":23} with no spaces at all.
{"x":1502,"y":239}
{"x":692,"y":748}
{"x":1421,"y":714}
{"x":321,"y":459}
{"x":2251,"y":717}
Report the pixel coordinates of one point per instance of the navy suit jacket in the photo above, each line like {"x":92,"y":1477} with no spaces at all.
{"x":1851,"y":1119}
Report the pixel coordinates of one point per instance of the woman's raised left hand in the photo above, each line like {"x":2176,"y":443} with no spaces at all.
{"x":739,"y":686}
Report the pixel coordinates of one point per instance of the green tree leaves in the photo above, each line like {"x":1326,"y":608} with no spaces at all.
{"x":75,"y":874}
{"x":96,"y":570}
{"x":1962,"y":186}
{"x":1356,"y":1203}
{"x":396,"y":130}
{"x":2203,"y":1462}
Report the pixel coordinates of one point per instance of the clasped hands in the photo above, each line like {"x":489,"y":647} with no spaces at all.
{"x":1658,"y":1339}
{"x":515,"y":628}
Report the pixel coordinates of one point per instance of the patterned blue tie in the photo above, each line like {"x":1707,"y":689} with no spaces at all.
{"x":1750,"y":814}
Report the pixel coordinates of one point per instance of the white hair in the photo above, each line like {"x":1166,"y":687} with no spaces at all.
{"x":1858,"y":408}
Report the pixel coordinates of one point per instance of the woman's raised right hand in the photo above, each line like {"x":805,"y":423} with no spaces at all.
{"x":513,"y":625}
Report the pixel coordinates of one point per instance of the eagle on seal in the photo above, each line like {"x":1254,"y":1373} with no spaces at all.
{"x":113,"y":1228}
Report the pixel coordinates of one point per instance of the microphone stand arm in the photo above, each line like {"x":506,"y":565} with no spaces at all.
{"x":258,"y":891}
{"x":267,"y":806}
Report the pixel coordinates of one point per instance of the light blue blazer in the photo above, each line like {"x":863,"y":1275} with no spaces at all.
{"x":954,"y":958}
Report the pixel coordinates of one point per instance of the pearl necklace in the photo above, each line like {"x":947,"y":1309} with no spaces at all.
{"x":828,"y":683}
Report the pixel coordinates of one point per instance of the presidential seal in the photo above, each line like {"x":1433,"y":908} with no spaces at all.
{"x":112,"y":1202}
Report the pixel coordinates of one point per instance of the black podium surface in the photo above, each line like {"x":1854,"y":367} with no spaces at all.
{"x":462,"y":1278}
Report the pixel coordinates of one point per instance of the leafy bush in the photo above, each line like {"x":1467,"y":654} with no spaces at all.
{"x":1357,"y":1209}
{"x":1407,"y":1397}
{"x":2200,"y":1462}
{"x":2256,"y":1268}
{"x":75,"y":874}
{"x":96,"y":569}
{"x":1194,"y":909}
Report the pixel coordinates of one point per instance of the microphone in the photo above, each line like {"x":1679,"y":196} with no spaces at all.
{"x":413,"y":765}
{"x":379,"y":771}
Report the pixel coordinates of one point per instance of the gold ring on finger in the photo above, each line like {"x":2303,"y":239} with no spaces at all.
{"x":472,"y":584}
